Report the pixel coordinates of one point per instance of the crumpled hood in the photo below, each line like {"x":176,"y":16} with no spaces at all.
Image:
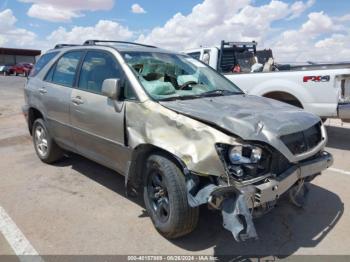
{"x":249,"y":117}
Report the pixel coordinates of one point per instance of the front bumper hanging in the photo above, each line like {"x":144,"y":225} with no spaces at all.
{"x":237,"y":203}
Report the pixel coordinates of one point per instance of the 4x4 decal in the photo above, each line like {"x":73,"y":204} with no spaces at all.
{"x":316,"y":78}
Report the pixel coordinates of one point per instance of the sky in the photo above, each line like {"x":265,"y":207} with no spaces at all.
{"x":296,"y":30}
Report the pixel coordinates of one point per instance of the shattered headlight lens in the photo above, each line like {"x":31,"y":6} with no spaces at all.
{"x":244,"y":161}
{"x":242,"y":154}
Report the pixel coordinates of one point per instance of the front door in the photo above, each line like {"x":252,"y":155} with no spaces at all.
{"x":97,"y":128}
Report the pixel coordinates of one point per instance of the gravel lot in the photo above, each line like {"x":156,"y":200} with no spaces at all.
{"x":80,"y":207}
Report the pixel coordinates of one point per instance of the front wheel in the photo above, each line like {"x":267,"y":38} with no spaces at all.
{"x":165,"y":197}
{"x":45,"y":147}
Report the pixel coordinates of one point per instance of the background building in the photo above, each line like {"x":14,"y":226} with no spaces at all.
{"x":11,"y":56}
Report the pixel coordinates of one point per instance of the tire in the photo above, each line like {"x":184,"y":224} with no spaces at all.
{"x":45,"y":147}
{"x":169,"y":210}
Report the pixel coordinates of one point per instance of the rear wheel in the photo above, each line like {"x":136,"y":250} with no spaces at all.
{"x":45,"y":147}
{"x":165,"y":197}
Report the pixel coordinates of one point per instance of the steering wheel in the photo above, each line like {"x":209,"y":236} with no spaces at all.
{"x":186,"y":84}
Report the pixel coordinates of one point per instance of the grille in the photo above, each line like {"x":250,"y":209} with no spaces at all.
{"x":279,"y":163}
{"x":303,"y":141}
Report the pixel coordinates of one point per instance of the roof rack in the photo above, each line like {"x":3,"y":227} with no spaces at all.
{"x":245,"y":45}
{"x":233,"y":48}
{"x":63,"y":45}
{"x":93,"y":42}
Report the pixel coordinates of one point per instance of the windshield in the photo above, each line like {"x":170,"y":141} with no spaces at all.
{"x":172,"y":76}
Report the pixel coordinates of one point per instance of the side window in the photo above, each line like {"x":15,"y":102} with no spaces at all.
{"x":65,"y":69}
{"x":97,"y":67}
{"x":195,"y":55}
{"x":42,"y":62}
{"x":206,"y":57}
{"x":49,"y":75}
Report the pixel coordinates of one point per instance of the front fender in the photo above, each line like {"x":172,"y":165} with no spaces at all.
{"x":187,"y":139}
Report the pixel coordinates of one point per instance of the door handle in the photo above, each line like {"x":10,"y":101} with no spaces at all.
{"x":42,"y":91}
{"x":77,"y":100}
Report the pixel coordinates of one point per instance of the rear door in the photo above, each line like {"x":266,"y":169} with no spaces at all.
{"x":56,"y":95}
{"x":98,"y":129}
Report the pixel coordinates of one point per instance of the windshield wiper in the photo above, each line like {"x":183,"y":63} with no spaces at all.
{"x":172,"y":98}
{"x":220,"y":92}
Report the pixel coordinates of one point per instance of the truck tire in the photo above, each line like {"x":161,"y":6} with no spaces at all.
{"x":45,"y":147}
{"x":165,"y":198}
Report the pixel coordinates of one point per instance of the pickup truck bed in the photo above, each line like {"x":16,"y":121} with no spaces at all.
{"x":323,"y":89}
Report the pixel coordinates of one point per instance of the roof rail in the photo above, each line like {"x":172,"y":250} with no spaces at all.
{"x":63,"y":45}
{"x":93,"y":42}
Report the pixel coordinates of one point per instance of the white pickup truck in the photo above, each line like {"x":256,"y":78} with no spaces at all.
{"x":323,"y":89}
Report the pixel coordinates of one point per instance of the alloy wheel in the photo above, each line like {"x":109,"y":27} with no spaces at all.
{"x":41,"y":141}
{"x":158,"y":195}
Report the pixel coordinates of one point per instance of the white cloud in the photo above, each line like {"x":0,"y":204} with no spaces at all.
{"x":336,"y":40}
{"x":7,"y":19}
{"x":201,"y":26}
{"x":64,"y":10}
{"x":318,"y":23}
{"x":104,"y":29}
{"x":12,"y":36}
{"x":50,"y":13}
{"x":344,"y":18}
{"x":319,"y":38}
{"x":306,"y":43}
{"x":137,"y":9}
{"x":299,"y":7}
{"x":210,"y":22}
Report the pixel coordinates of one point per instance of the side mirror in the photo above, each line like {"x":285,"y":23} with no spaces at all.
{"x":111,"y":88}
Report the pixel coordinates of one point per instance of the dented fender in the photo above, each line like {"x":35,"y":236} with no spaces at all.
{"x":191,"y":141}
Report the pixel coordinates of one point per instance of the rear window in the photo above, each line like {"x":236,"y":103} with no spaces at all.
{"x":65,"y":68}
{"x":42,"y":62}
{"x":195,"y":55}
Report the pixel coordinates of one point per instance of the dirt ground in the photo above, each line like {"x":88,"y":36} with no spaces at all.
{"x":79,"y":207}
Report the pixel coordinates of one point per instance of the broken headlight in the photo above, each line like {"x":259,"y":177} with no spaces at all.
{"x":243,"y":154}
{"x":244,"y":161}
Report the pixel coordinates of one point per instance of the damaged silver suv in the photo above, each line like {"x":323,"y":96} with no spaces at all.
{"x":176,"y":129}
